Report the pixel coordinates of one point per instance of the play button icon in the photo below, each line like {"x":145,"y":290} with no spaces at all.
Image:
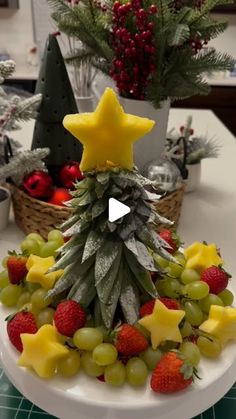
{"x":116,"y":210}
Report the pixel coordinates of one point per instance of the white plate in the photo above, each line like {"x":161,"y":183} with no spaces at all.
{"x":82,"y":397}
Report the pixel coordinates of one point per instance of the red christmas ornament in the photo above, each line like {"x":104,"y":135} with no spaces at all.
{"x":38,"y":184}
{"x":59,"y":196}
{"x":69,"y":173}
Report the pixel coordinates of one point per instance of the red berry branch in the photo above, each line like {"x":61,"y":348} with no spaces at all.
{"x":133,"y":44}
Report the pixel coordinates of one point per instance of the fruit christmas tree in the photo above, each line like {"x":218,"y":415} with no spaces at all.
{"x":117,"y":299}
{"x":57,"y":101}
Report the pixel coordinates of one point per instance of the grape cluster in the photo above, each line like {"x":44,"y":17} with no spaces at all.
{"x":134,"y":48}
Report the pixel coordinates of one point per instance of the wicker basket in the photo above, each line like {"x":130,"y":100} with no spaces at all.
{"x":33,"y":215}
{"x":170,"y":207}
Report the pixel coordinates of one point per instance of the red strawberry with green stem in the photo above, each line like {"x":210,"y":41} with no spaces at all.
{"x":172,"y":373}
{"x":130,"y":341}
{"x":171,"y":239}
{"x":16,"y":267}
{"x":21,"y":322}
{"x":216,"y":278}
{"x":69,"y":317}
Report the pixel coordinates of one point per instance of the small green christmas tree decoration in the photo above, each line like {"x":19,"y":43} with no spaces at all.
{"x":57,"y":101}
{"x":107,"y":264}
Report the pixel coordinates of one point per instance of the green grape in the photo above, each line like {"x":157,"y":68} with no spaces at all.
{"x":45,"y":316}
{"x":56,"y":235}
{"x":172,"y":287}
{"x":151,"y":357}
{"x":35,"y":236}
{"x":23,"y":299}
{"x":50,"y":249}
{"x":105,"y":354}
{"x":210,"y":300}
{"x":209,"y":346}
{"x":87,"y":338}
{"x":4,"y":280}
{"x":176,"y":269}
{"x":186,"y":329}
{"x":31,"y":287}
{"x":39,"y":300}
{"x":89,"y":365}
{"x":189,"y":275}
{"x":191,"y":351}
{"x":196,"y":290}
{"x":160,"y":284}
{"x":70,"y":364}
{"x":10,"y":294}
{"x":4,"y":262}
{"x":115,"y":374}
{"x":30,"y":246}
{"x":136,"y":372}
{"x":30,"y":307}
{"x":227,"y":297}
{"x":160,"y":261}
{"x":193,"y":313}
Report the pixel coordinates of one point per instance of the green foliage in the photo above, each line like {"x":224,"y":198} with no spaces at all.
{"x":180,"y":37}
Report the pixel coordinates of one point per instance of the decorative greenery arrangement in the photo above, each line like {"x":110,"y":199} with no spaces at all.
{"x":197,"y":147}
{"x":153,"y":49}
{"x":14,"y":109}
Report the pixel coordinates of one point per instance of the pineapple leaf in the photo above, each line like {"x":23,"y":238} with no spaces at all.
{"x":150,"y":196}
{"x":78,"y":227}
{"x":142,"y":276}
{"x":97,"y":312}
{"x":144,"y":257}
{"x":99,"y":207}
{"x":108,"y":310}
{"x":104,"y":259}
{"x":93,"y":243}
{"x":130,"y":243}
{"x":129,"y":298}
{"x":100,"y":189}
{"x":105,"y":286}
{"x":127,"y":227}
{"x":67,"y":279}
{"x":71,"y":220}
{"x":86,"y":199}
{"x":85,"y":289}
{"x":103,"y":177}
{"x":69,"y":257}
{"x":73,"y":241}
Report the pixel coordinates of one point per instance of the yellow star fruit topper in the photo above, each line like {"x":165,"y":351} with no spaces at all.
{"x":107,"y":134}
{"x":42,"y":351}
{"x":221,"y":323}
{"x":37,"y":271}
{"x":163,"y":324}
{"x":201,"y":256}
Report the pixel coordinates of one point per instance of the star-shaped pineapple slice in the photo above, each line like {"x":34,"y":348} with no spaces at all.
{"x":107,"y":134}
{"x":201,"y":256}
{"x":163,"y":324}
{"x":37,"y":271}
{"x":42,"y":351}
{"x":221,"y":323}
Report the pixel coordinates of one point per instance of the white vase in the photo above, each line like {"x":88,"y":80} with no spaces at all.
{"x":4,"y":209}
{"x":194,"y":177}
{"x":85,"y":103}
{"x":152,"y":145}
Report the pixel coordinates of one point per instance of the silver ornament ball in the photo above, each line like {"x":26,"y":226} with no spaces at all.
{"x":164,"y":173}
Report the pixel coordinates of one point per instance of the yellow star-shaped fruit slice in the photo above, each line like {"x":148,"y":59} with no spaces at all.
{"x":163,"y":324}
{"x":221,"y":323}
{"x":107,"y":134}
{"x":42,"y":351}
{"x":201,"y":256}
{"x":37,"y":271}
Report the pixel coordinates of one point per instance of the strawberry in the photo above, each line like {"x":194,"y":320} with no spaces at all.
{"x":16,"y":266}
{"x":147,"y":308}
{"x":216,"y":277}
{"x":21,"y":322}
{"x":172,"y":373}
{"x":172,"y":239}
{"x":69,"y":317}
{"x":130,"y":341}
